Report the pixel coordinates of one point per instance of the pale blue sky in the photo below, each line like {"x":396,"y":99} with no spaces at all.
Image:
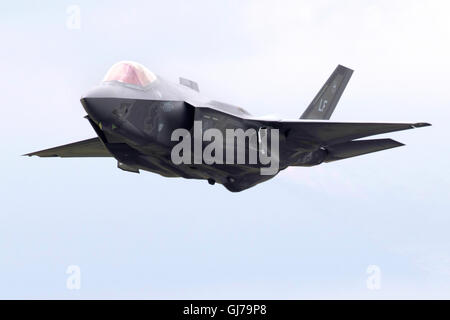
{"x":308,"y":233}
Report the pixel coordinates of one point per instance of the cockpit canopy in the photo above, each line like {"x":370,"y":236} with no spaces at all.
{"x":130,"y":72}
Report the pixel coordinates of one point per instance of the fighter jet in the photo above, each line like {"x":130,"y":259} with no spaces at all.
{"x":137,"y":117}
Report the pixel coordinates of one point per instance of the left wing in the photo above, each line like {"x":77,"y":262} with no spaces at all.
{"x":85,"y":148}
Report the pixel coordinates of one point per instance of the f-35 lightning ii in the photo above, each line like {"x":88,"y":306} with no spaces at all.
{"x":139,"y":119}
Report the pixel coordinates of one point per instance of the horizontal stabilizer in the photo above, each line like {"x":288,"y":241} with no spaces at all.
{"x":86,"y":148}
{"x":356,"y":148}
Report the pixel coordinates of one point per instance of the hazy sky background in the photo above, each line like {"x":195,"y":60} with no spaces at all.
{"x":308,"y":233}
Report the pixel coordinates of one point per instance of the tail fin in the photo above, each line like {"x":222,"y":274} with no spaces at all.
{"x":327,"y":98}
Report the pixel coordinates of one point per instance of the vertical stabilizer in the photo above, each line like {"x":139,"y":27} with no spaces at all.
{"x":327,"y":98}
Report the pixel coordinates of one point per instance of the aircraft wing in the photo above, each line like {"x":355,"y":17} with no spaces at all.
{"x":328,"y":133}
{"x":85,"y":148}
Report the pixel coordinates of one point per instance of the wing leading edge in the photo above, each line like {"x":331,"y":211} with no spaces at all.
{"x":85,"y":148}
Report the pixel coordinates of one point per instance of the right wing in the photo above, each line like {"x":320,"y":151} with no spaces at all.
{"x":327,"y":133}
{"x":86,"y":148}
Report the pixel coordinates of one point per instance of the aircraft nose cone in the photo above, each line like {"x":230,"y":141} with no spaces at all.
{"x":97,"y":104}
{"x":101,"y":110}
{"x":94,"y":108}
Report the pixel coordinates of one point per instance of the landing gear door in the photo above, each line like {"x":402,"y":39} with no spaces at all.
{"x":262,"y":140}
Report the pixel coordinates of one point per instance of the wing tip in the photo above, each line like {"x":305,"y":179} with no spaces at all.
{"x":421,"y":124}
{"x":30,"y":154}
{"x":37,"y":154}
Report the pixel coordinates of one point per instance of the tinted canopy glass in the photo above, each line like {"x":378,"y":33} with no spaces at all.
{"x":131,"y":73}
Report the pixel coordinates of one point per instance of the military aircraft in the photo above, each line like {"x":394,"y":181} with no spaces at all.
{"x":135,"y":113}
